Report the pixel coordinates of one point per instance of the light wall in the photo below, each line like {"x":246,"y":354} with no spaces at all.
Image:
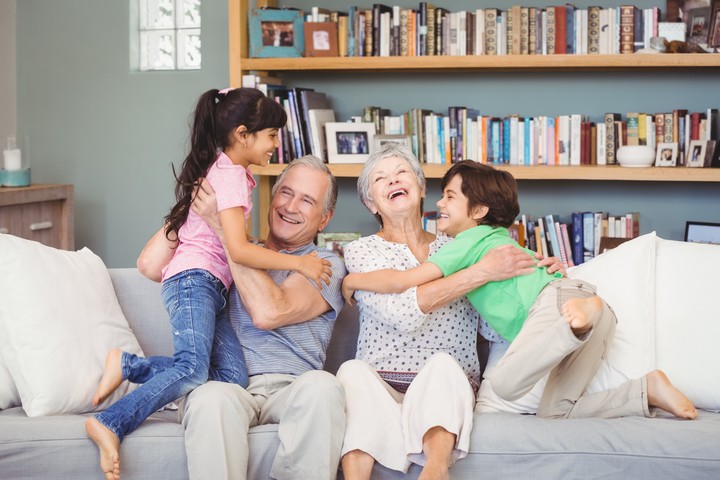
{"x":113,"y":133}
{"x":8,"y":88}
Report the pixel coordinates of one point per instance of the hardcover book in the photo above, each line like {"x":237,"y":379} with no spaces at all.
{"x":627,"y":28}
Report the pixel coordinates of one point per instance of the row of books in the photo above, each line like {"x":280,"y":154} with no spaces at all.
{"x":574,"y":242}
{"x":384,"y":30}
{"x":463,"y":133}
{"x":307,"y":111}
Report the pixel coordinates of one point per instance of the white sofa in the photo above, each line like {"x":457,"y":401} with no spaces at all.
{"x":666,"y":287}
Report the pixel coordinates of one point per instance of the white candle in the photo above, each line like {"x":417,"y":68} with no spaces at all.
{"x":13,"y":159}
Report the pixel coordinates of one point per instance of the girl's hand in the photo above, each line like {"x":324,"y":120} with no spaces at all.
{"x":315,"y":269}
{"x":348,"y":291}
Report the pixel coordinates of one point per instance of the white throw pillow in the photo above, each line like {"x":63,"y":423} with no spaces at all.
{"x":625,"y":279}
{"x":59,"y":317}
{"x":687,"y":320}
{"x":9,"y":396}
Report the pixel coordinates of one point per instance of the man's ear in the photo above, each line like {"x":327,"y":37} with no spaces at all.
{"x":325,"y":220}
{"x":480,"y":212}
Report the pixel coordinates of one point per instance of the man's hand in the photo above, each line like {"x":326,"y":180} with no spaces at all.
{"x":204,"y":204}
{"x":501,"y":263}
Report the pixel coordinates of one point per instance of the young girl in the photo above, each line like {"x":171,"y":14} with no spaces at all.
{"x":232,"y":129}
{"x":553,"y":323}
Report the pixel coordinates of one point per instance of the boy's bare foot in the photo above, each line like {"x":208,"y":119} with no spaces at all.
{"x":582,"y":313}
{"x":111,"y":377}
{"x":109,"y":447}
{"x":663,"y":395}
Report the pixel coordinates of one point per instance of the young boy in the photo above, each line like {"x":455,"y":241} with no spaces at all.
{"x":554,"y":324}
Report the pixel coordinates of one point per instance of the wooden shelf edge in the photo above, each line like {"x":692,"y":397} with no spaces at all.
{"x":590,"y":172}
{"x":486,"y":62}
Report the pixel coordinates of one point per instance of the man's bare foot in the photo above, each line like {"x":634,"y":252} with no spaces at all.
{"x":663,"y":395}
{"x":111,"y":377}
{"x":109,"y":447}
{"x":582,"y":313}
{"x":435,"y":471}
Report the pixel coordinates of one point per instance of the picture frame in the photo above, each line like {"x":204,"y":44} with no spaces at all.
{"x":276,"y":33}
{"x":698,"y":25}
{"x":702,"y":232}
{"x":714,"y":34}
{"x":677,"y":9}
{"x":666,"y":154}
{"x":349,"y":142}
{"x":696,"y":153}
{"x":321,"y":39}
{"x":381,"y":140}
{"x":336,"y":241}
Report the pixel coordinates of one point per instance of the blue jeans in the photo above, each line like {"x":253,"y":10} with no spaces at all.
{"x":206,"y":348}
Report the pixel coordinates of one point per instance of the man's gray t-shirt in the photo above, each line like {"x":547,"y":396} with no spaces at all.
{"x":291,"y":349}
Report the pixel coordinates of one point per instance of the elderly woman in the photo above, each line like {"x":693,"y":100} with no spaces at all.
{"x":410,"y":393}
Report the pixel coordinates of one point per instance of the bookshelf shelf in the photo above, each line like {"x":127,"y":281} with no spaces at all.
{"x":240,"y":63}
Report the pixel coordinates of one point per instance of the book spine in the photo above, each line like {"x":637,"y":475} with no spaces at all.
{"x":561,"y":32}
{"x":524,"y":30}
{"x":627,"y":29}
{"x":610,"y":141}
{"x":430,"y":30}
{"x":491,"y":31}
{"x":577,"y":236}
{"x":550,"y":30}
{"x":593,"y":36}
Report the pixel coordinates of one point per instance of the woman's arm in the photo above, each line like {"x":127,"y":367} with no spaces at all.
{"x":156,"y":254}
{"x":500,"y":263}
{"x":388,"y":280}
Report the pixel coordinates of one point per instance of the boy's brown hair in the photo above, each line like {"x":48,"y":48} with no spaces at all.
{"x":486,"y":186}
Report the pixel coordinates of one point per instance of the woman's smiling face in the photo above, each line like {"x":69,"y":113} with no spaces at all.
{"x":394,"y":188}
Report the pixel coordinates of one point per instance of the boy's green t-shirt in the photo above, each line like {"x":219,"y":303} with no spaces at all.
{"x":504,"y":305}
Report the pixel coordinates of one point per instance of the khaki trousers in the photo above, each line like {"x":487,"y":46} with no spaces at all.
{"x":310,"y":411}
{"x":546,"y":344}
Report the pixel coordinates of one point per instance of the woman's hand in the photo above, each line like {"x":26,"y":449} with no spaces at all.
{"x":501,"y":263}
{"x":348,"y":291}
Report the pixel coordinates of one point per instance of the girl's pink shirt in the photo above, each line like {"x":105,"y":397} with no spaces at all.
{"x":199,"y":247}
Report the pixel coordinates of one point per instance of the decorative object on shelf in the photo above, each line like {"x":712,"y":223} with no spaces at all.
{"x":714,"y":35}
{"x":698,"y":25}
{"x":683,"y":47}
{"x":666,"y":155}
{"x":321,"y":39}
{"x":336,"y":242}
{"x":635,"y":156}
{"x":696,"y":154}
{"x":16,"y":168}
{"x":381,"y":140}
{"x":276,"y":33}
{"x":702,"y":232}
{"x":349,"y":142}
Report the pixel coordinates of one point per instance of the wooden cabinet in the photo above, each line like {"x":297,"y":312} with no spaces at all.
{"x":240,"y":63}
{"x":44,"y":213}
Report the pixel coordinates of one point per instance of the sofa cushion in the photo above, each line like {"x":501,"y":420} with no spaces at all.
{"x":58,"y":318}
{"x":9,"y":396}
{"x":687,"y":323}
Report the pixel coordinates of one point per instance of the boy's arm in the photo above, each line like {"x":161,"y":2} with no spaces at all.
{"x":389,"y":280}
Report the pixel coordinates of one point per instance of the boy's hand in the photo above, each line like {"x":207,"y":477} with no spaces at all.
{"x":315,"y":269}
{"x":348,"y":291}
{"x":553,"y":264}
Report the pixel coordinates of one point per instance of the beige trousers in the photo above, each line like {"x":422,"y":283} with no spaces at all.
{"x":546,"y":344}
{"x":390,"y":425}
{"x":309,"y":410}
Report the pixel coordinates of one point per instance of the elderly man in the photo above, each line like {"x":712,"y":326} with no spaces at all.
{"x":284,"y":323}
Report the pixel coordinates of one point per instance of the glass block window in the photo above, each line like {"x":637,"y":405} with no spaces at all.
{"x":170,"y":34}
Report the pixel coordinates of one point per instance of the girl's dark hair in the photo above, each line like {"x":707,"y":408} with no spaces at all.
{"x":484,"y":186}
{"x":217,"y":115}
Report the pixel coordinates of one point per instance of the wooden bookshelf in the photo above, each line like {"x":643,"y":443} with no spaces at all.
{"x":239,"y":63}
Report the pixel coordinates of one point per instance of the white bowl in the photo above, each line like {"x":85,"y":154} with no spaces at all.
{"x":635,"y":156}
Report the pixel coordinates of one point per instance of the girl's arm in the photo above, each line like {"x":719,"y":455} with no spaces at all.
{"x":388,"y":280}
{"x":250,"y":255}
{"x":156,"y":254}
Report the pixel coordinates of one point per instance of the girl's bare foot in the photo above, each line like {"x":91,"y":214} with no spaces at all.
{"x":663,"y":395}
{"x":111,"y":377}
{"x":582,"y":313}
{"x":109,"y":447}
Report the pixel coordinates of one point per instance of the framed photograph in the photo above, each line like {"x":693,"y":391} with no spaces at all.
{"x":702,"y":232}
{"x":698,"y":25}
{"x":321,"y":39}
{"x":381,"y":140}
{"x":677,"y":10}
{"x":349,"y":142}
{"x":696,"y":153}
{"x":276,"y":33}
{"x":666,"y":155}
{"x":335,"y":242}
{"x":714,"y":35}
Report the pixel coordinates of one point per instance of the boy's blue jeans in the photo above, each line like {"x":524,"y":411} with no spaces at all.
{"x":206,"y":348}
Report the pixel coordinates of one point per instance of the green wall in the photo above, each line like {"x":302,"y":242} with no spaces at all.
{"x":113,"y":133}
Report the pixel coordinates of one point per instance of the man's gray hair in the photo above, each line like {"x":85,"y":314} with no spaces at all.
{"x":314,"y":162}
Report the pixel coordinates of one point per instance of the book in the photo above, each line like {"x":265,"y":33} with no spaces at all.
{"x":317,"y":118}
{"x":627,"y":28}
{"x":588,"y":226}
{"x":611,"y":143}
{"x":308,"y":99}
{"x":578,"y":252}
{"x":593,"y":33}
